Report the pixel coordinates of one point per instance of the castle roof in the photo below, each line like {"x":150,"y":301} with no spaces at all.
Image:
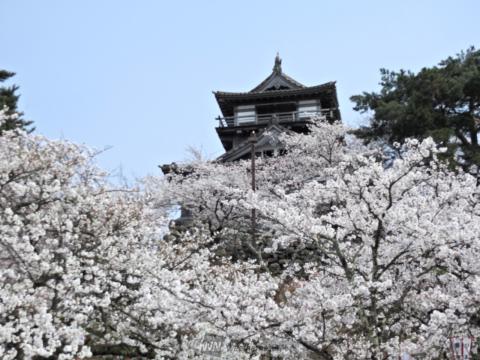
{"x":267,"y":139}
{"x":277,"y":86}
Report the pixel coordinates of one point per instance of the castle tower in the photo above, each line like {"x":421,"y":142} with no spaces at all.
{"x":278,"y":103}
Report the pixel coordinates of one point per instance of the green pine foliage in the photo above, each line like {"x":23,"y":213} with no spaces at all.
{"x":442,"y":101}
{"x":9,"y":99}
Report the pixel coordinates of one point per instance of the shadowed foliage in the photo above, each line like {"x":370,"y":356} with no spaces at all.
{"x":441,"y":101}
{"x":9,"y":99}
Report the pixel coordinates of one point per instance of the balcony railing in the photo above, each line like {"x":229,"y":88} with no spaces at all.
{"x":283,"y":117}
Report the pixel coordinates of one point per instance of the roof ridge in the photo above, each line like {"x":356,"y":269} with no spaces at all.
{"x":274,"y":75}
{"x":278,"y":73}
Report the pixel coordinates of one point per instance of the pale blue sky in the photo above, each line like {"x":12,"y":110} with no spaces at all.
{"x":138,"y":75}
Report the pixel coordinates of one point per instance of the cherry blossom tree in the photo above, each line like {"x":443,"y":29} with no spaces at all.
{"x":354,"y":254}
{"x":399,"y":245}
{"x":381,"y":251}
{"x":65,"y":240}
{"x":85,"y":271}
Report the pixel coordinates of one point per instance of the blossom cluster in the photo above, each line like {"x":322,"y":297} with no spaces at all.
{"x":353,"y":254}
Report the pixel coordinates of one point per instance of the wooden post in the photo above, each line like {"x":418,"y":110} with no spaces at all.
{"x":253,"y":141}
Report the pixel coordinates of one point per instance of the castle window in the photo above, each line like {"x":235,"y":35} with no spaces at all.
{"x":245,"y":114}
{"x":308,"y":108}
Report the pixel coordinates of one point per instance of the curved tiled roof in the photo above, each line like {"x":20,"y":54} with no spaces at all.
{"x":263,"y":140}
{"x":227,"y":100}
{"x":276,"y":87}
{"x":269,"y":93}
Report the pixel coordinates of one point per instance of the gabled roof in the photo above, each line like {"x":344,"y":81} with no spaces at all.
{"x":268,"y":139}
{"x":228,"y":100}
{"x":277,"y":80}
{"x":276,"y":87}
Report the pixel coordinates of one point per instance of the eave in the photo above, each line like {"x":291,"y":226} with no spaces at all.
{"x":228,"y":100}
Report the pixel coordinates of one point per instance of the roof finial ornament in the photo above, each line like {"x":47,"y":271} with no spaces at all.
{"x":277,"y":68}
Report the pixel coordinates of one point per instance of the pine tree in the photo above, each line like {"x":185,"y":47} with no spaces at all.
{"x":442,"y":101}
{"x":9,"y":99}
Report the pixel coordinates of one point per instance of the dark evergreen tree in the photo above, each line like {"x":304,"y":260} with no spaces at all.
{"x":442,"y":101}
{"x":9,"y":98}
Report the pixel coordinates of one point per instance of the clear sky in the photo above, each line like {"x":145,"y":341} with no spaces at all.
{"x":138,"y":76}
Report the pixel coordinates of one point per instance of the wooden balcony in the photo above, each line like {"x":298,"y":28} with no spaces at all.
{"x":266,"y":119}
